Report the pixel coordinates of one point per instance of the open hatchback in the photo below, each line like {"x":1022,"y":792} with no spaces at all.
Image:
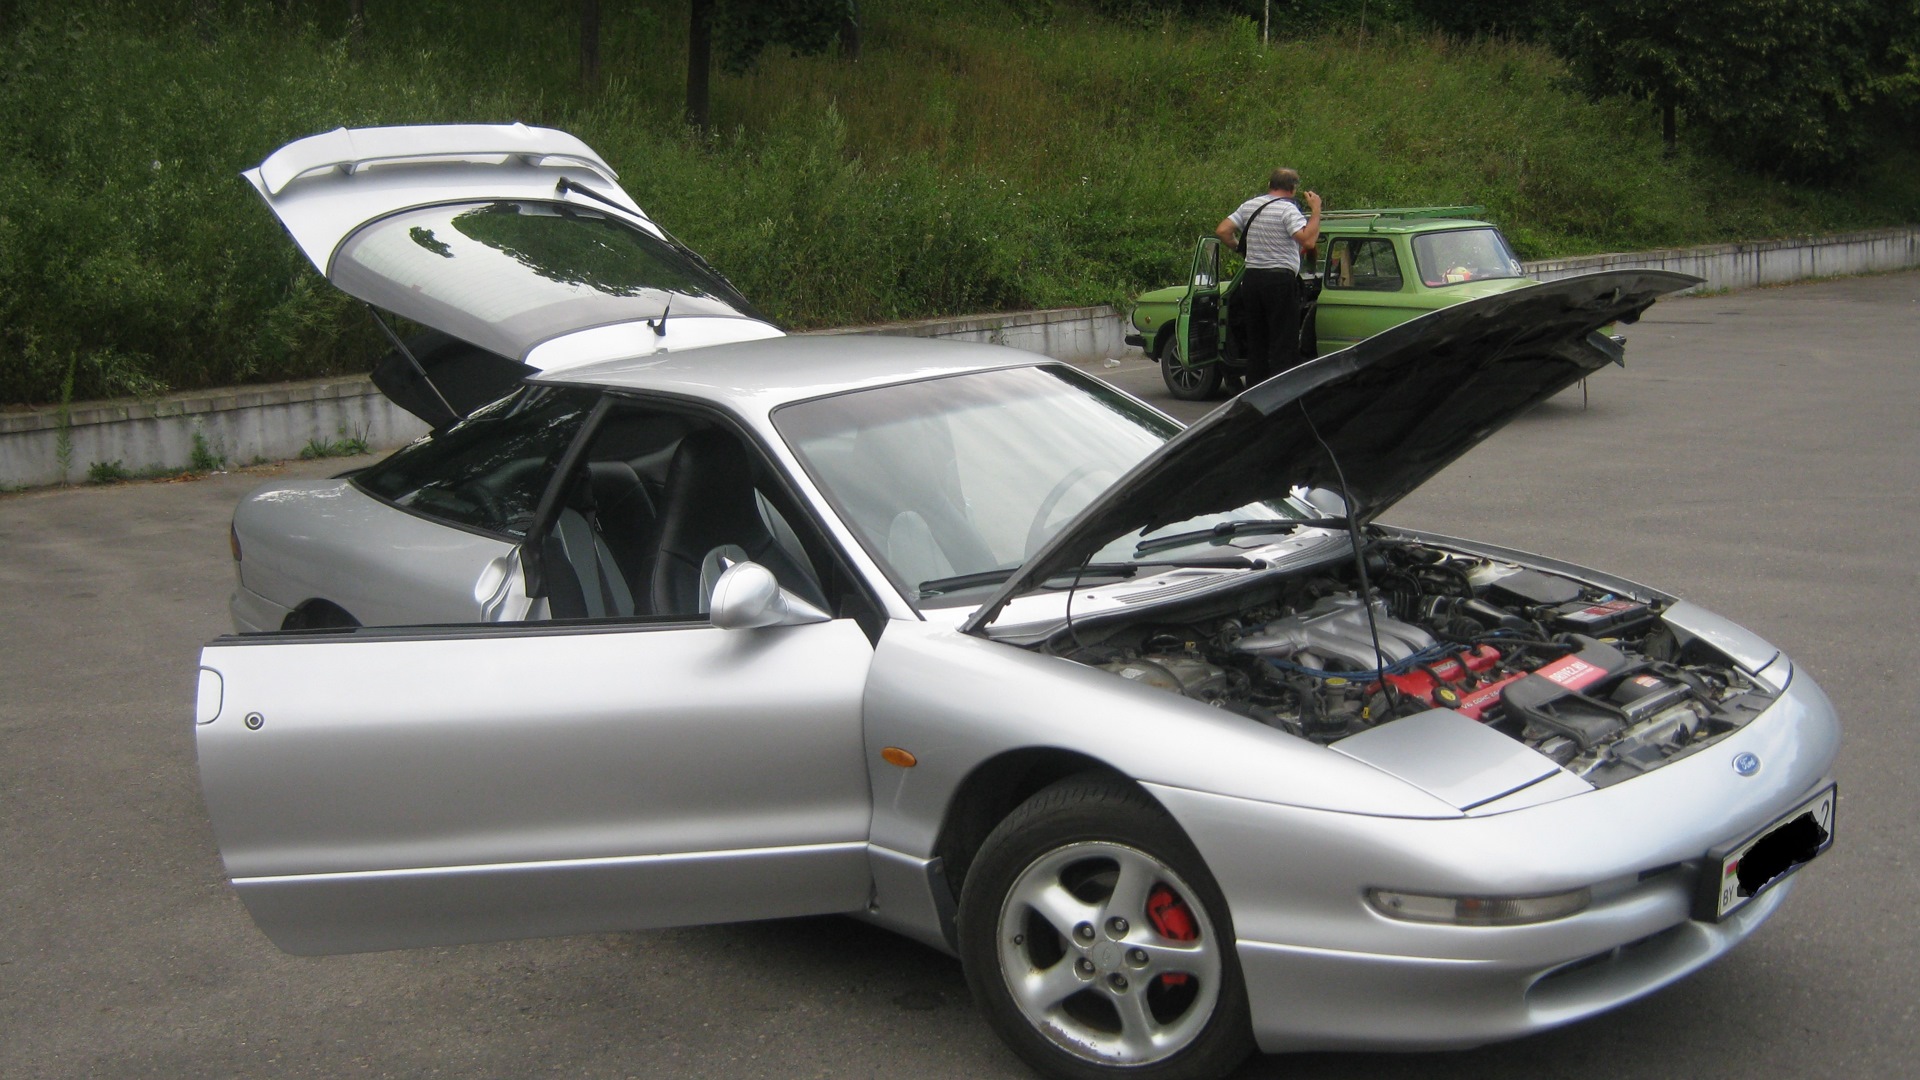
{"x":516,"y":244}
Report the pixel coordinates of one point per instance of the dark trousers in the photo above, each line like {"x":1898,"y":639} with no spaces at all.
{"x":1269,"y":301}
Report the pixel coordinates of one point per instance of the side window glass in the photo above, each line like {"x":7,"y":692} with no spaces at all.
{"x":1363,"y":264}
{"x":1206,"y":268}
{"x":488,"y":471}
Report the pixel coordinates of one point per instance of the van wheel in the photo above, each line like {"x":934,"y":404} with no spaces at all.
{"x":1187,"y":382}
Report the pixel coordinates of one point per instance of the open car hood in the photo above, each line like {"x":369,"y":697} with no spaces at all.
{"x":516,"y":241}
{"x":1393,"y":410}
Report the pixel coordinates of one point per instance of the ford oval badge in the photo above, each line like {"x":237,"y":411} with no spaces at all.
{"x":1746,"y":764}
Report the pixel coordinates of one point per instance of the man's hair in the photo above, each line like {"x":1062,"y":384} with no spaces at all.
{"x":1283,"y":180}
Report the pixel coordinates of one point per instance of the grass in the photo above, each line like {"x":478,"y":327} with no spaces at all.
{"x":205,"y":458}
{"x":983,"y":155}
{"x":108,"y":472}
{"x":345,"y":446}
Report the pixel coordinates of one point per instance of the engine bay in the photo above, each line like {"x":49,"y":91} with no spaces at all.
{"x":1593,"y":680}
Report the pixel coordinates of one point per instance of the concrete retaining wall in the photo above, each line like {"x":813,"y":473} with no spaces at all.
{"x":276,"y":422}
{"x":237,"y":426}
{"x":1759,"y":262}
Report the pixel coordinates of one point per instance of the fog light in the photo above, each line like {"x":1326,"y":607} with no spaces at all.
{"x":1479,"y":910}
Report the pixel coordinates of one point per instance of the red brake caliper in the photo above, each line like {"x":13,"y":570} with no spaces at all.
{"x":1173,"y":920}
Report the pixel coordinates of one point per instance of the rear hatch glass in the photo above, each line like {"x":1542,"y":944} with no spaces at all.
{"x":507,"y":275}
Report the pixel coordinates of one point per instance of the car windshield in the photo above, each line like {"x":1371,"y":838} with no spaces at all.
{"x":1449,"y":258}
{"x":967,"y":476}
{"x":506,"y":276}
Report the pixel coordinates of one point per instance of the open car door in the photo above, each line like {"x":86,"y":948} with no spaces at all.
{"x":383,"y":788}
{"x":1192,"y":370}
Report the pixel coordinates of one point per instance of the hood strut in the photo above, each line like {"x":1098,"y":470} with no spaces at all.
{"x":1359,"y":549}
{"x":411,"y":359}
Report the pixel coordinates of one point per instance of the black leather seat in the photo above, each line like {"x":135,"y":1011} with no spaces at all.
{"x":627,"y":519}
{"x":710,"y":506}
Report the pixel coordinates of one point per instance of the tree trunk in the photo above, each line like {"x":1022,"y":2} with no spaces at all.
{"x":850,"y":32}
{"x":699,"y":60}
{"x":589,"y":43}
{"x":356,"y":18}
{"x":1669,"y":129}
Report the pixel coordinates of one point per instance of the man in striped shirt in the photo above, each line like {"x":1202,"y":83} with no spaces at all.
{"x":1268,"y":298}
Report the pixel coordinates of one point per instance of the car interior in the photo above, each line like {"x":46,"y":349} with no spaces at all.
{"x":662,"y":503}
{"x":1363,"y":264}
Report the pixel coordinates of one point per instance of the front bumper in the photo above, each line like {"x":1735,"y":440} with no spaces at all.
{"x":1328,"y":999}
{"x":1326,"y":971}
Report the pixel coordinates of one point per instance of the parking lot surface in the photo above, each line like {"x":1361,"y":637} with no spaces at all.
{"x":1758,"y":455}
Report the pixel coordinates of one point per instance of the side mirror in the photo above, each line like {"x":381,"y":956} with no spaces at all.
{"x":748,"y":596}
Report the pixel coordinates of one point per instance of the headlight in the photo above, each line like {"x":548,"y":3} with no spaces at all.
{"x":1479,"y":910}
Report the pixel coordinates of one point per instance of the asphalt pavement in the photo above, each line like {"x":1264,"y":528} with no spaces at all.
{"x":1758,"y":455}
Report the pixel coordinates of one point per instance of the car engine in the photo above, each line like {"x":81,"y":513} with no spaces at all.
{"x":1594,"y":681}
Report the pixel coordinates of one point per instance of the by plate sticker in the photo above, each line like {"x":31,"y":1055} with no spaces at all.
{"x":1748,"y":869}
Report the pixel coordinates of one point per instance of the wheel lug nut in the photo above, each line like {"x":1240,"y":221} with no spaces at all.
{"x":1137,"y":957}
{"x":1085,"y":965}
{"x":1117,"y":927}
{"x":1117,"y":981}
{"x":1084,"y":931}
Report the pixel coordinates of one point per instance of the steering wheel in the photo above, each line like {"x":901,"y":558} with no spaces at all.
{"x":1037,"y":531}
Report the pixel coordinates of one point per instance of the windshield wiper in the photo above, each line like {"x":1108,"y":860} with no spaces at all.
{"x":1124,"y":570}
{"x":961,"y":582}
{"x":1228,"y":529}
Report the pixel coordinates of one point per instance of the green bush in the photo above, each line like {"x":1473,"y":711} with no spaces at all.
{"x":982,"y":155}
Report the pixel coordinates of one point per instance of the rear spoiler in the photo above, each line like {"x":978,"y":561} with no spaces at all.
{"x":349,"y":150}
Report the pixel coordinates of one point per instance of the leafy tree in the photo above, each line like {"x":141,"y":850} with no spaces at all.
{"x":1499,"y":18}
{"x":1787,"y":85}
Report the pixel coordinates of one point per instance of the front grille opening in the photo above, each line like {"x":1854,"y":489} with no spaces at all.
{"x":1619,"y":954}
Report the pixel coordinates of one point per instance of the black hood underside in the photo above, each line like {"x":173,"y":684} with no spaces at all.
{"x":1392,"y":410}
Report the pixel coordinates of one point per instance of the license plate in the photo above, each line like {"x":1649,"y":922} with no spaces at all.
{"x":1737,"y":873}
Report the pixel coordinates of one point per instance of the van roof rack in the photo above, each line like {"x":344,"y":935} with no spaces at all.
{"x":1407,"y":213}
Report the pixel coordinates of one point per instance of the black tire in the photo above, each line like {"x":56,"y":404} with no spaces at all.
{"x":318,"y":615}
{"x":1094,"y":997}
{"x":1187,"y":383}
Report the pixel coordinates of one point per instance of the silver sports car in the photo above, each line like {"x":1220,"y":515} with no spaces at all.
{"x":1162,"y":732}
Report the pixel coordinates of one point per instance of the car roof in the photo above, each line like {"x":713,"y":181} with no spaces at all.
{"x":759,"y":376}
